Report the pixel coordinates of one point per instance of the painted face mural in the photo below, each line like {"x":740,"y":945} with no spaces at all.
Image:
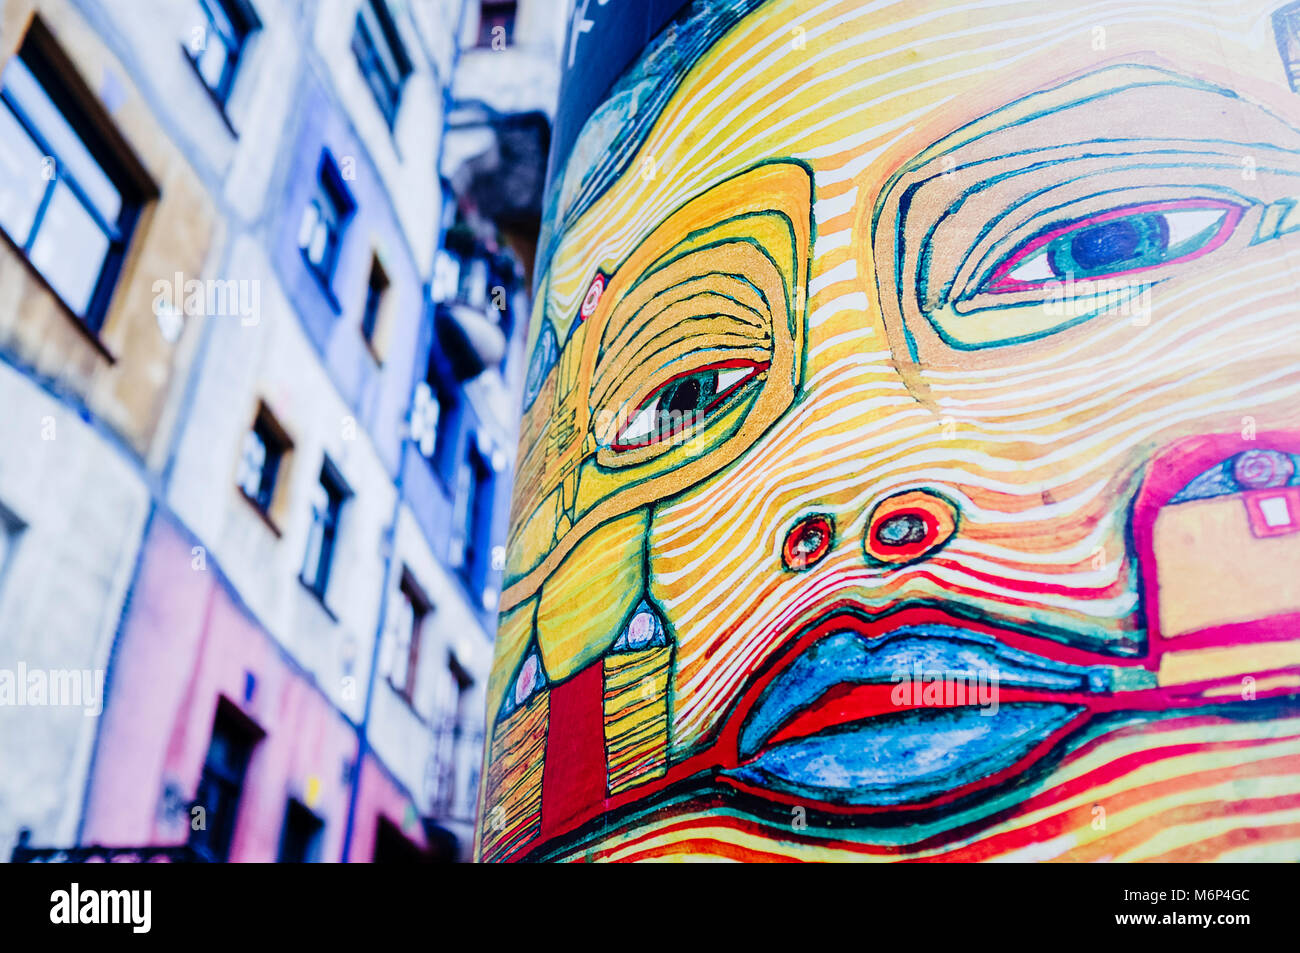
{"x":910,"y":464}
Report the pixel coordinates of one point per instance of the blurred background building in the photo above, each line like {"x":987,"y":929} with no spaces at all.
{"x":264,"y":287}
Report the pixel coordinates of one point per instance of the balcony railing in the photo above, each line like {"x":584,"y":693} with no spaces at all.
{"x":176,"y":854}
{"x":452,"y":773}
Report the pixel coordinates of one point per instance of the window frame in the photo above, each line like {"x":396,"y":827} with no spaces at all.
{"x":450,"y":399}
{"x":381,"y":57}
{"x":337,"y":494}
{"x":311,"y":854}
{"x":475,"y":529}
{"x":11,"y":534}
{"x":336,"y":206}
{"x":264,"y":501}
{"x":422,"y":609}
{"x":243,"y":22}
{"x":239,"y":730}
{"x":57,"y":80}
{"x":378,"y":285}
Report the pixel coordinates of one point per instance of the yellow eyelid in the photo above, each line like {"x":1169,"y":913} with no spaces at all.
{"x":709,"y":293}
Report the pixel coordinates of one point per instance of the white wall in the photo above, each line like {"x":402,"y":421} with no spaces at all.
{"x":275,"y":362}
{"x":400,"y":730}
{"x":406,"y":157}
{"x":61,"y":593}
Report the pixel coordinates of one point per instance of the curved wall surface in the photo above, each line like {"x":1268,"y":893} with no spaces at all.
{"x":910,"y":464}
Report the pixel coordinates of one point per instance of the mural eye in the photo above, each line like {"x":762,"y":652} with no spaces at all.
{"x":685,"y":402}
{"x":1117,"y":243}
{"x":530,"y":679}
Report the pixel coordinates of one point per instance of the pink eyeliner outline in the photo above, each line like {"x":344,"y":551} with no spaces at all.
{"x":1000,"y":284}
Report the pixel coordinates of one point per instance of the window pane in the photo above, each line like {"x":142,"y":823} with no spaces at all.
{"x":6,"y":544}
{"x":72,"y":154}
{"x":378,"y":41}
{"x":381,"y":59}
{"x":403,"y":627}
{"x":212,"y":61}
{"x":70,"y":248}
{"x":314,"y":567}
{"x":310,"y":217}
{"x":221,"y":22}
{"x":311,"y":570}
{"x":319,"y":242}
{"x":251,"y":462}
{"x":21,"y":181}
{"x":475,"y":282}
{"x":370,"y":317}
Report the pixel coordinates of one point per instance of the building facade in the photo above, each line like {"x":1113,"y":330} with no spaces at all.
{"x":259,"y":454}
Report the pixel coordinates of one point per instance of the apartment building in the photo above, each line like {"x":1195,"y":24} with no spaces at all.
{"x":260,"y":447}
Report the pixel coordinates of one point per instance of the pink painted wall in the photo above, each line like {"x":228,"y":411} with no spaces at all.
{"x":184,"y":644}
{"x":381,"y":796}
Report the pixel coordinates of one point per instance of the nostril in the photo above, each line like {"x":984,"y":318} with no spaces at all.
{"x":808,"y":541}
{"x":909,"y":526}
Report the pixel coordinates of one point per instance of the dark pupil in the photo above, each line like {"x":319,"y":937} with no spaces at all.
{"x":690,"y":394}
{"x":1137,"y":240}
{"x":1105,"y":244}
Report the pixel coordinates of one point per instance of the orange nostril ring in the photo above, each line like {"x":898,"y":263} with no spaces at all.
{"x":808,"y":541}
{"x":909,"y":526}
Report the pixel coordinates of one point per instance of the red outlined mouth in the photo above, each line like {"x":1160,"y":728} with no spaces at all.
{"x":876,"y":705}
{"x":1111,"y":682}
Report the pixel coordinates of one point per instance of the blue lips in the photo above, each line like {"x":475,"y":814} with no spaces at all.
{"x":849,"y":658}
{"x":909,"y":756}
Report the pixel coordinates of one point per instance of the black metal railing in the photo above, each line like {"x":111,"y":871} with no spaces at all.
{"x":452,"y":772}
{"x":175,"y":854}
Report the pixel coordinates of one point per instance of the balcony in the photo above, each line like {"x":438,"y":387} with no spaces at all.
{"x":452,"y":772}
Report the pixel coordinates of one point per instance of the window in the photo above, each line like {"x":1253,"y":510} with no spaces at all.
{"x":446,"y":432}
{"x":394,"y":847}
{"x":66,"y":198}
{"x":380,"y":55}
{"x":324,"y":218}
{"x":411,"y":610}
{"x":474,"y":515}
{"x":496,"y":24}
{"x":473,"y":288}
{"x":222,"y":781}
{"x":265,"y":447}
{"x":376,"y":288}
{"x":217,"y":39}
{"x":454,"y":747}
{"x":327,"y":505}
{"x":300,"y":840}
{"x":10,"y":528}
